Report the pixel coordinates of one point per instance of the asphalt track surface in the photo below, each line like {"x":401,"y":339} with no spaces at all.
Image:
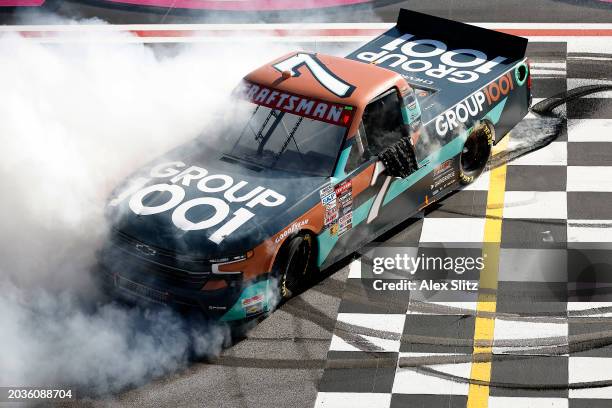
{"x":293,"y":357}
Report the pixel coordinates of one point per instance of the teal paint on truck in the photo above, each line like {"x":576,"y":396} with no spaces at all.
{"x":265,"y":287}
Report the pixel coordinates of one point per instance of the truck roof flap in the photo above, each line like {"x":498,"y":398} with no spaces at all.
{"x":452,"y":58}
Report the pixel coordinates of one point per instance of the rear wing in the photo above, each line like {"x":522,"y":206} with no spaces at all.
{"x":444,"y":57}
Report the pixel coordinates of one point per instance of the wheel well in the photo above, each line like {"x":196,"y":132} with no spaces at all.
{"x":281,"y":253}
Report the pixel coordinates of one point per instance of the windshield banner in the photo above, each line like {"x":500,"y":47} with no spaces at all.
{"x":333,"y":113}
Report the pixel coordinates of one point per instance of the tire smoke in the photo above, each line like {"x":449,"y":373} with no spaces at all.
{"x":76,"y":118}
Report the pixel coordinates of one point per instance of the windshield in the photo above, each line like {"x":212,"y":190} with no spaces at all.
{"x":278,"y":130}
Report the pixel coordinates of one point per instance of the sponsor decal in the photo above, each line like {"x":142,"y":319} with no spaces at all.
{"x":346,"y":219}
{"x":327,"y":190}
{"x":333,"y":230}
{"x":443,"y":176}
{"x":221,"y":221}
{"x":442,"y":168}
{"x":331,"y":216}
{"x":471,"y":107}
{"x":318,"y":70}
{"x":253,"y":305}
{"x":345,"y":223}
{"x":328,"y":199}
{"x":346,"y":200}
{"x":344,"y":187}
{"x":344,"y":192}
{"x":293,"y":228}
{"x":499,"y":88}
{"x":431,"y":58}
{"x":253,"y":299}
{"x":254,"y":309}
{"x":333,"y":113}
{"x":339,"y":211}
{"x":458,"y":115}
{"x":444,"y":181}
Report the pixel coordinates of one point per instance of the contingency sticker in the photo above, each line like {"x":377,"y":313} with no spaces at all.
{"x":443,"y":176}
{"x":253,"y":305}
{"x":344,"y":194}
{"x":328,"y":199}
{"x":328,"y":189}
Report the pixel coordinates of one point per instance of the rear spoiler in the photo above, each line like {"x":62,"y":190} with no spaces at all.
{"x":436,"y":52}
{"x":460,"y":35}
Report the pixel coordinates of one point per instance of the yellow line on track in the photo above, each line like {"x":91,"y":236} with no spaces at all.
{"x":484,"y":326}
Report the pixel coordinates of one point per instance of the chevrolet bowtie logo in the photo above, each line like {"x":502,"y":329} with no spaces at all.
{"x":145,"y":249}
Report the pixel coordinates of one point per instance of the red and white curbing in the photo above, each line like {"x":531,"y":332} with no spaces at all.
{"x":328,"y":32}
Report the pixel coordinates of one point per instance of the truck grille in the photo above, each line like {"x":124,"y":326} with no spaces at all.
{"x":131,"y":257}
{"x":141,"y":290}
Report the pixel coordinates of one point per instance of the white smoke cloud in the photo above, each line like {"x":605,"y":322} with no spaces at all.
{"x":74,"y":120}
{"x":52,"y":340}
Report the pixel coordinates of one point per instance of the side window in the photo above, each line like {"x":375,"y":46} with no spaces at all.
{"x":383,"y":121}
{"x":359,"y":151}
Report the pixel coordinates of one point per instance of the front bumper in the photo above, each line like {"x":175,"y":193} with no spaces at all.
{"x":133,"y":288}
{"x":131,"y":278}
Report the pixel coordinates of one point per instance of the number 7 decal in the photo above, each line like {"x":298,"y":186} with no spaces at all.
{"x":325,"y":77}
{"x":380,"y":196}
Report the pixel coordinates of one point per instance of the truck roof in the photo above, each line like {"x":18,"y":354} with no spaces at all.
{"x":366,"y":80}
{"x":446,"y":59}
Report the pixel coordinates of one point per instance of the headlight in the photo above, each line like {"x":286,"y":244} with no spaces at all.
{"x":217,"y":262}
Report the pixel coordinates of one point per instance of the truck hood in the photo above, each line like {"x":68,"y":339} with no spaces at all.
{"x":244,"y":204}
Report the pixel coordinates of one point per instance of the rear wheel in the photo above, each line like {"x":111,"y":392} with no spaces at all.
{"x":295,"y":265}
{"x":476,"y":152}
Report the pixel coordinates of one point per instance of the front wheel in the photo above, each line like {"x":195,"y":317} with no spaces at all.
{"x":476,"y":152}
{"x":295,"y":265}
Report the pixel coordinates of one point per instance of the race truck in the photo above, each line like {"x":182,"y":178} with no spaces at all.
{"x":316,"y":157}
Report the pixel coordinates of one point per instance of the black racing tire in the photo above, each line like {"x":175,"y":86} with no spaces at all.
{"x":295,"y":265}
{"x":399,"y":159}
{"x":476,"y":152}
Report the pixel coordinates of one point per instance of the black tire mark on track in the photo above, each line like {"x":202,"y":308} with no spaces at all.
{"x":548,"y":119}
{"x":353,"y":334}
{"x":547,"y":106}
{"x":516,"y":386}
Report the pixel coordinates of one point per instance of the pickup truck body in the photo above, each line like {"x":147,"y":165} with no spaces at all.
{"x":206,"y":226}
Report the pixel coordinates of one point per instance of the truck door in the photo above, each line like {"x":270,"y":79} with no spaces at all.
{"x":386,"y":121}
{"x":383,"y":125}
